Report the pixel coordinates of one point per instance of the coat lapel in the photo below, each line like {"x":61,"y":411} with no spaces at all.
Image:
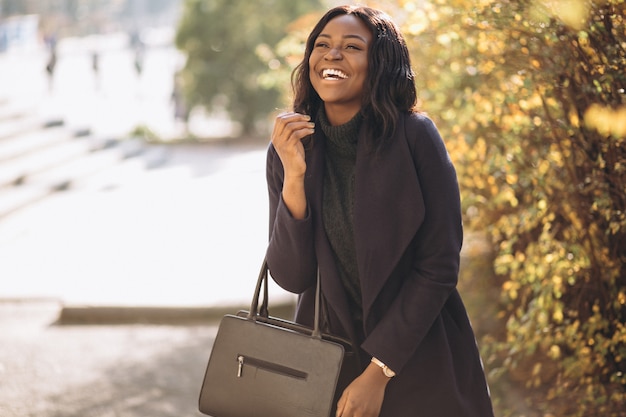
{"x":388,"y":211}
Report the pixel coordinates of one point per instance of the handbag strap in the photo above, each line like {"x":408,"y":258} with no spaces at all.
{"x":318,"y":296}
{"x":262,"y":281}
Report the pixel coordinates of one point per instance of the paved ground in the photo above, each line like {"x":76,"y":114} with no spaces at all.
{"x":97,"y":371}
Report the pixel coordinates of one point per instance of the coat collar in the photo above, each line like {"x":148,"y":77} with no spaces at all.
{"x":388,"y":211}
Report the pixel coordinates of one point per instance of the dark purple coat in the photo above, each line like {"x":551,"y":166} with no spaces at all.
{"x":408,"y":235}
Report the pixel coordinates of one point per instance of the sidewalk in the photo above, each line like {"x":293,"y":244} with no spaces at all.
{"x":98,"y":371}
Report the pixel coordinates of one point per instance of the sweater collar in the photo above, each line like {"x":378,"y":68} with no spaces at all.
{"x":344,"y":136}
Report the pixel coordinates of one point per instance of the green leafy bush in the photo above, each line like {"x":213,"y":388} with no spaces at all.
{"x":530,"y":98}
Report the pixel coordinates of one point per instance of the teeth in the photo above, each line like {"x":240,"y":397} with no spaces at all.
{"x":334,"y":74}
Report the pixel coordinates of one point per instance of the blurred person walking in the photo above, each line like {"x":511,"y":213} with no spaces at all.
{"x":95,"y":67}
{"x":51,"y":44}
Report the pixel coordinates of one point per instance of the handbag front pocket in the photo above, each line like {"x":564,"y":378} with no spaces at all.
{"x":244,"y":361}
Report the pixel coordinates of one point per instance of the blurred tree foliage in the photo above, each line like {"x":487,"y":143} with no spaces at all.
{"x":230,"y":55}
{"x":529,"y":95}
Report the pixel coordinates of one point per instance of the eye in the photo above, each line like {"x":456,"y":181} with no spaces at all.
{"x":321,"y":44}
{"x":355,"y":47}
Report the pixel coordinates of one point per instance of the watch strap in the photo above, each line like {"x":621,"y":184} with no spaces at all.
{"x":388,"y":372}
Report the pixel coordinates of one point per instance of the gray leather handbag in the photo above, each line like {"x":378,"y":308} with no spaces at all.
{"x":263,"y":366}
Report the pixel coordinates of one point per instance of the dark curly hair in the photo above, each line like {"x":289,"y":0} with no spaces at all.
{"x":390,"y":86}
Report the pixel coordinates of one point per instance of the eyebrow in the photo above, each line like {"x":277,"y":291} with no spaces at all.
{"x":359,"y":37}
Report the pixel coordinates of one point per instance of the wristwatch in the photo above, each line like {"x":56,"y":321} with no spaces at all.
{"x":388,"y":372}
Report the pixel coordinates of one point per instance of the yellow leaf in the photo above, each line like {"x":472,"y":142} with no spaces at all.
{"x":555,"y":352}
{"x":512,"y":179}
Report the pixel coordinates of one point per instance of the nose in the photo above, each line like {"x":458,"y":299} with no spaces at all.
{"x":333,"y":54}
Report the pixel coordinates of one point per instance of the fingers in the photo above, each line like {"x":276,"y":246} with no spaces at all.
{"x":340,"y":406}
{"x":362,"y":398}
{"x":292,"y":127}
{"x":289,"y":130}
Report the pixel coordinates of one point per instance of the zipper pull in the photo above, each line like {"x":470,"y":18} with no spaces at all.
{"x":240,"y":367}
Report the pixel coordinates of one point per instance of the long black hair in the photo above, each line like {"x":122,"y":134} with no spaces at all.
{"x":390,"y":86}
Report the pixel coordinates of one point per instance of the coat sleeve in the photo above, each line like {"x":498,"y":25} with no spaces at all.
{"x":291,"y":253}
{"x":435,"y":254}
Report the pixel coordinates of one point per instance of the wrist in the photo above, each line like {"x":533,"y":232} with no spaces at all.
{"x":293,"y":178}
{"x":294,"y":197}
{"x":386,"y":371}
{"x":376,"y":375}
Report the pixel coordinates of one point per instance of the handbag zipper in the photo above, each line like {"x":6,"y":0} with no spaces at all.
{"x":268,"y":366}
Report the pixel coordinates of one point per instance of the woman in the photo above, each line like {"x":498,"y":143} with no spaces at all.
{"x":361,"y":187}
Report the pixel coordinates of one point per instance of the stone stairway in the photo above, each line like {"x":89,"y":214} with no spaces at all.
{"x":40,"y":156}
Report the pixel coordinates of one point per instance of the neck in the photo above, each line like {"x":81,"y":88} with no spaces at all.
{"x":338,"y":115}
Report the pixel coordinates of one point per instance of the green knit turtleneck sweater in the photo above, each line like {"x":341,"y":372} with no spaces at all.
{"x":338,"y":203}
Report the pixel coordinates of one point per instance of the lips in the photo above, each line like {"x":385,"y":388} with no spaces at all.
{"x":333,"y":74}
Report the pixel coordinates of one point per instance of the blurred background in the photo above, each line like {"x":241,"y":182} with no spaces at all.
{"x":133,"y":206}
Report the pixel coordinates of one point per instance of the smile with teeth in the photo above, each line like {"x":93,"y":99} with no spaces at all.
{"x":333,"y":74}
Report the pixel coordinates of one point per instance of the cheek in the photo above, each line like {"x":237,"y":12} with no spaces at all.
{"x":311,"y":70}
{"x":312,"y":62}
{"x":364,"y":68}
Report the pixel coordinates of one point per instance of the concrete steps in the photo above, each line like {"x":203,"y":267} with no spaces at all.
{"x":17,"y":121}
{"x":50,"y":148}
{"x":24,"y":142}
{"x":15,"y":198}
{"x":40,"y":157}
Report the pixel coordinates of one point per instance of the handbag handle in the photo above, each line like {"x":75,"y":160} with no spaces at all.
{"x":262,"y":281}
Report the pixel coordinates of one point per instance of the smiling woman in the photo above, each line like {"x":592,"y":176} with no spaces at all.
{"x":362,"y":190}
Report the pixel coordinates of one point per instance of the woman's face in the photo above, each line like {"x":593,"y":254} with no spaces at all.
{"x":338,"y":64}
